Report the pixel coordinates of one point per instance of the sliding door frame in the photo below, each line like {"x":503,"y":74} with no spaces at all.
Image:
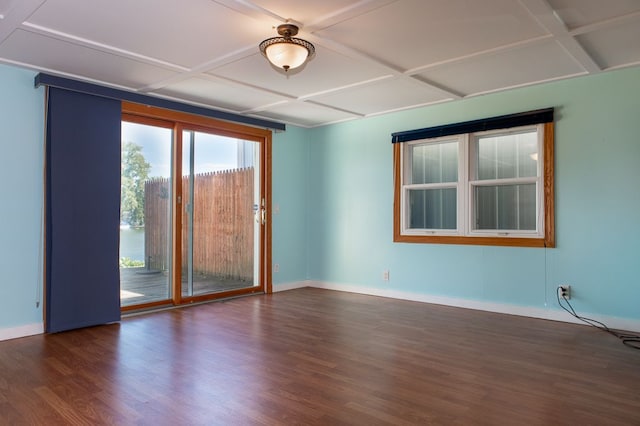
{"x":180,"y":121}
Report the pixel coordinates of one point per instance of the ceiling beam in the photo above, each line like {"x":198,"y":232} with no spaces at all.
{"x":247,"y":8}
{"x":346,"y":13}
{"x":494,"y":50}
{"x":391,"y":70}
{"x":79,"y":41}
{"x":607,"y":23}
{"x":547,"y":18}
{"x":202,"y":68}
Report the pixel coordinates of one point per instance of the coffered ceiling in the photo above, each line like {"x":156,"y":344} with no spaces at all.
{"x":372,"y":56}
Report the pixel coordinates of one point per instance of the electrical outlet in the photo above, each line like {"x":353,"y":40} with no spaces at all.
{"x":565,"y":291}
{"x":385,"y":275}
{"x":276,"y":267}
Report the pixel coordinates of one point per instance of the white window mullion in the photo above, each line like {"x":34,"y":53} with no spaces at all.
{"x":517,"y":188}
{"x":463,"y":190}
{"x":425,"y":214}
{"x":540,"y":209}
{"x":496,"y":176}
{"x":404,"y":203}
{"x":441,"y":196}
{"x":518,"y":207}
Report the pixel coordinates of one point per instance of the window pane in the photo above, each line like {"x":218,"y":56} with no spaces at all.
{"x":434,"y":162}
{"x":220,"y":236}
{"x":433,"y":208}
{"x":505,"y":207}
{"x":145,"y":214}
{"x":507,"y":156}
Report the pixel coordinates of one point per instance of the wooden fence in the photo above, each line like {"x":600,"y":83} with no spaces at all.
{"x":222,"y":224}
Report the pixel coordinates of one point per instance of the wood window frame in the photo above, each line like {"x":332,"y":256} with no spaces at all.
{"x":548,"y":240}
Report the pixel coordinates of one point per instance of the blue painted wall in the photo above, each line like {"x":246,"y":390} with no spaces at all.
{"x":334,"y":190}
{"x":21,"y":144}
{"x":290,"y":204}
{"x":597,"y":204}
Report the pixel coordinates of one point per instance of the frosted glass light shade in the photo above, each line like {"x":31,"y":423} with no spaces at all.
{"x":286,"y":55}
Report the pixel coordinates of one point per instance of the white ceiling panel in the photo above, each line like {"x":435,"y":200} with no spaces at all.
{"x":305,"y":114}
{"x":218,"y":94}
{"x":13,"y":13}
{"x":51,"y":54}
{"x":509,"y":68}
{"x":327,"y":70}
{"x":175,"y":31}
{"x":304,"y":12}
{"x":412,"y":33}
{"x":4,"y":7}
{"x":385,"y":95}
{"x":577,"y":13}
{"x":372,"y":56}
{"x":616,"y":46}
{"x":9,"y":6}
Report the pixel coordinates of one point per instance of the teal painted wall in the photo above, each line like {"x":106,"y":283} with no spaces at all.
{"x":21,"y":124}
{"x":290,"y":204}
{"x":334,"y":190}
{"x":597,"y":204}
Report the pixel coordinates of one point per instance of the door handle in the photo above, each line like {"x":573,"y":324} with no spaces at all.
{"x":261,"y":216}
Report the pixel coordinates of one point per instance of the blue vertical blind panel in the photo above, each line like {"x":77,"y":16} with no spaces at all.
{"x":83,"y":210}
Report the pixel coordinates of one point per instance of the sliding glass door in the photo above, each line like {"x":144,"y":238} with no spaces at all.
{"x":221,"y":214}
{"x":145,"y":211}
{"x":193,"y":209}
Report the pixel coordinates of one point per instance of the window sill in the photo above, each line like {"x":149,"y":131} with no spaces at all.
{"x":479,"y":241}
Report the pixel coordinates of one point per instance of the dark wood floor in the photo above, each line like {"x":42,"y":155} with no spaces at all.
{"x":312,"y":356}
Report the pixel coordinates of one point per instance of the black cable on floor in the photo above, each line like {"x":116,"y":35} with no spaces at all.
{"x":631,"y":340}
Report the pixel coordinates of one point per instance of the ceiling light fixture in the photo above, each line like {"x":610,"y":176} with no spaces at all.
{"x":287,"y":52}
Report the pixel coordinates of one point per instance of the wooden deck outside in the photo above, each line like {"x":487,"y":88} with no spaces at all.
{"x":139,"y":285}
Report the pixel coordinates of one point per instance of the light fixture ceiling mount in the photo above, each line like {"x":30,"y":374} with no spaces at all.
{"x":287,"y":52}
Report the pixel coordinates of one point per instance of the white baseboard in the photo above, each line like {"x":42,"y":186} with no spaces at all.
{"x":290,"y":286}
{"x":548,"y":313}
{"x":533,"y":312}
{"x":21,"y":331}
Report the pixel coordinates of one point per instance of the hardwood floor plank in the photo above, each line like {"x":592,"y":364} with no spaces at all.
{"x":320,"y":357}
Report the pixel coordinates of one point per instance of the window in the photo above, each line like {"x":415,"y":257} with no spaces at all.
{"x":491,"y":185}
